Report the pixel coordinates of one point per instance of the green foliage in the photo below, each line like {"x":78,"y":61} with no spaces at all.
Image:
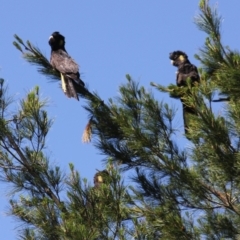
{"x":220,"y":63}
{"x":34,"y":56}
{"x":174,"y":193}
{"x":38,"y":187}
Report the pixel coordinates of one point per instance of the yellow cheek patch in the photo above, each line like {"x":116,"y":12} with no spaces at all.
{"x":100,"y":179}
{"x":181,"y":58}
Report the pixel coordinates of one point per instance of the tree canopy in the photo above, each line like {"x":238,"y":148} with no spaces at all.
{"x":175,"y":193}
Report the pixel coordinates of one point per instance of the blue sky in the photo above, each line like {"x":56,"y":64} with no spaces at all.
{"x":108,"y":39}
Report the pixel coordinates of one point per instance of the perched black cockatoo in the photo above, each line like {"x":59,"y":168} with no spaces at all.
{"x":186,"y":70}
{"x":67,"y":67}
{"x":101,"y":177}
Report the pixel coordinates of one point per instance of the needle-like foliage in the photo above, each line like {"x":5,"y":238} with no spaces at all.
{"x":174,"y":193}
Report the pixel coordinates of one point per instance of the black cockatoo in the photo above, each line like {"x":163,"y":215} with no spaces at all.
{"x":68,"y":68}
{"x":186,"y":70}
{"x":101,"y":177}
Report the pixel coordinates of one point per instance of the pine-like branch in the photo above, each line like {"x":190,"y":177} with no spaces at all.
{"x":220,"y":63}
{"x":99,"y":113}
{"x":34,"y":56}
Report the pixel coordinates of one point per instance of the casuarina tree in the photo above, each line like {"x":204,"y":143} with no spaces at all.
{"x":175,"y":193}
